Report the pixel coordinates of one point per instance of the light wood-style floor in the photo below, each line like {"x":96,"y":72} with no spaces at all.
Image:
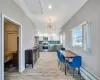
{"x":46,"y":68}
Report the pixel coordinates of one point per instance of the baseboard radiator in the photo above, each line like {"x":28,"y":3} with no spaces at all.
{"x":87,"y":74}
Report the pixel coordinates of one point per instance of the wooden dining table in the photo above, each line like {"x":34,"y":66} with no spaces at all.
{"x":68,"y":55}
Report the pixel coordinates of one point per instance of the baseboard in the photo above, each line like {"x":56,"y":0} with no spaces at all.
{"x":87,"y":75}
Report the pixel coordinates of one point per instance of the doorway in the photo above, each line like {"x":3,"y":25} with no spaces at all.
{"x":11,"y":49}
{"x":11,"y":44}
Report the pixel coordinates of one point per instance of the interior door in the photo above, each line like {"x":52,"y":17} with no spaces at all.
{"x":12,"y":41}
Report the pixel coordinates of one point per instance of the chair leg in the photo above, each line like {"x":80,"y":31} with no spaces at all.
{"x":79,"y":73}
{"x":67,"y":67}
{"x":73,"y":72}
{"x":58,"y":63}
{"x":61,"y":65}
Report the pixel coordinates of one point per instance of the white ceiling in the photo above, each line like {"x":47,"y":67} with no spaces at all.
{"x":61,"y":12}
{"x":34,"y":6}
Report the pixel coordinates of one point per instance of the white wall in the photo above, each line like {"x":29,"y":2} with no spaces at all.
{"x":10,"y":9}
{"x":89,"y":12}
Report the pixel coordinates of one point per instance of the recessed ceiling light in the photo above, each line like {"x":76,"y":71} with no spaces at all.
{"x":50,"y":7}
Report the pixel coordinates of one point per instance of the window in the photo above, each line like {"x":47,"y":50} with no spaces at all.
{"x":77,"y":37}
{"x":61,"y":39}
{"x":80,"y":36}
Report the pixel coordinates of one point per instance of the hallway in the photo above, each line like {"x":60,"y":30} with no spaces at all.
{"x":46,"y":68}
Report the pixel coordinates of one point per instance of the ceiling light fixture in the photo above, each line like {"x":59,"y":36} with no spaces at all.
{"x":50,"y":7}
{"x":49,"y":26}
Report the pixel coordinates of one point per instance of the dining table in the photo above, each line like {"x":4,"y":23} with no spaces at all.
{"x":68,"y":55}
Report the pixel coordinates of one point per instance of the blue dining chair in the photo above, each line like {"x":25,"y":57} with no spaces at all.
{"x":63,"y":48}
{"x":75,"y":63}
{"x":61,"y":58}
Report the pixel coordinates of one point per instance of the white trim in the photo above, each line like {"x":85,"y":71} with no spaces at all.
{"x":85,"y":42}
{"x":85,"y":22}
{"x":20,"y":43}
{"x":2,"y":58}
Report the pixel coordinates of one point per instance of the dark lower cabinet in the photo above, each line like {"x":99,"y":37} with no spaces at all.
{"x":31,"y":56}
{"x":28,"y":57}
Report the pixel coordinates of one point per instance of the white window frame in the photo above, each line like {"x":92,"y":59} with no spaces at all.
{"x":86,"y":35}
{"x":61,"y":39}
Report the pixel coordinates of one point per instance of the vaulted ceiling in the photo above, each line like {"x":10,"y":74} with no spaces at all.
{"x":60,"y":13}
